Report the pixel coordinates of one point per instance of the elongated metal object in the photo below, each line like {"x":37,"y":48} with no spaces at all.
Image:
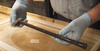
{"x":77,"y":43}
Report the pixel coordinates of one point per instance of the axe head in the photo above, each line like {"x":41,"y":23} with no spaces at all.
{"x":17,"y":21}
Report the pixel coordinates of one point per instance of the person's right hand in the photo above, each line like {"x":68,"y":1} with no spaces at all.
{"x":75,"y":29}
{"x":18,"y":10}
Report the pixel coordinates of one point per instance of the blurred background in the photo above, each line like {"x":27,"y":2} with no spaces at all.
{"x":37,"y":6}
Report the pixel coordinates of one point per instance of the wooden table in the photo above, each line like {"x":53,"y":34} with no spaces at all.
{"x":5,"y":13}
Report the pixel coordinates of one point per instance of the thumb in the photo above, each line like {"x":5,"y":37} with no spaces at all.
{"x":25,"y":20}
{"x":65,"y":30}
{"x":21,"y":25}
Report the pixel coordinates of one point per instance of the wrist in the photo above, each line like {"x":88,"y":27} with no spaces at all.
{"x":29,"y":1}
{"x":87,"y":16}
{"x":83,"y":20}
{"x":23,"y":2}
{"x":86,"y":19}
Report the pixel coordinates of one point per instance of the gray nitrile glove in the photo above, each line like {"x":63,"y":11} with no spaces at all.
{"x":18,"y":10}
{"x":75,"y":29}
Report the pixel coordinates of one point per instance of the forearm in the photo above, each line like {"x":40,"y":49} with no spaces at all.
{"x":29,"y":1}
{"x":94,"y":14}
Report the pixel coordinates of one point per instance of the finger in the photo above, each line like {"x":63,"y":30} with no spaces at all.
{"x":10,"y":22}
{"x":12,"y":17}
{"x":25,"y":20}
{"x":77,"y":36}
{"x":21,"y":25}
{"x":65,"y":30}
{"x":69,"y":35}
{"x":61,"y":41}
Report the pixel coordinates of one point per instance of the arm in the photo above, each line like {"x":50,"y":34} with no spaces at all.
{"x":94,"y":14}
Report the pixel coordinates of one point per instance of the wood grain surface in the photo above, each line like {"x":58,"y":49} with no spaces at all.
{"x":5,"y":13}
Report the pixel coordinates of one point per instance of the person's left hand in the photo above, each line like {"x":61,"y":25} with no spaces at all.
{"x":18,"y":10}
{"x":75,"y":29}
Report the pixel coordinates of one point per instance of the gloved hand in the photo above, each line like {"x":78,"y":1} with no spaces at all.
{"x":75,"y":29}
{"x":18,"y":10}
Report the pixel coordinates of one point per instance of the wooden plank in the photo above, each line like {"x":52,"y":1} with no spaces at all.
{"x":61,"y":22}
{"x":4,"y":9}
{"x":5,"y":12}
{"x":40,"y":17}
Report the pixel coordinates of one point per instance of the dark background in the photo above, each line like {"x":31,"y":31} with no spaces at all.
{"x":37,"y":7}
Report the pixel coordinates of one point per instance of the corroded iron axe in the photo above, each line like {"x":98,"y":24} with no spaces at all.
{"x":77,"y":43}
